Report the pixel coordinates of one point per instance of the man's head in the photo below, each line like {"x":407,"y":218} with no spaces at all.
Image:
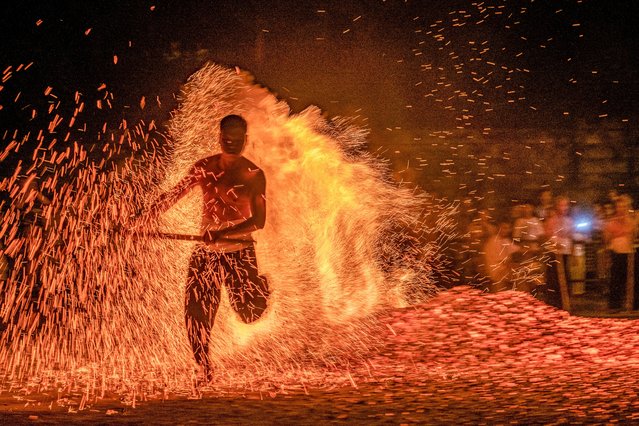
{"x":623,"y":204}
{"x":232,"y":134}
{"x":613,"y":195}
{"x":562,"y":205}
{"x":545,"y":197}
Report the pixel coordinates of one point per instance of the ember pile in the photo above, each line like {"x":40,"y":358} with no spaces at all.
{"x":466,"y":331}
{"x":511,"y":352}
{"x":463,"y":357}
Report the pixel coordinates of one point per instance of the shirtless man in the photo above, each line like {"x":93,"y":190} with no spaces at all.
{"x":234,"y":206}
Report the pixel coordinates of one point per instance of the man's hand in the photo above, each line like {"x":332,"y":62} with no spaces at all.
{"x":212,"y":236}
{"x":142,"y":217}
{"x":136,"y":220}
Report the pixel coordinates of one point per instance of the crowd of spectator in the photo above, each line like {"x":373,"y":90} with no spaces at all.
{"x":539,"y":246}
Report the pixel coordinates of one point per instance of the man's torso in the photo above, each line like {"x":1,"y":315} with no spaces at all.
{"x":227,"y":198}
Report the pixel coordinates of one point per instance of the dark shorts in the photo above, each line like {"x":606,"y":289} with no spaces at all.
{"x":210,"y":270}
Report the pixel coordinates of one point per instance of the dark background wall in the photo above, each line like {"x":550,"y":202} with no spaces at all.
{"x":513,"y":164}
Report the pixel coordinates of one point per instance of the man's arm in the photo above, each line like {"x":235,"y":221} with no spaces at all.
{"x":258,"y":213}
{"x":167,"y":199}
{"x":550,"y":226}
{"x":618,"y":228}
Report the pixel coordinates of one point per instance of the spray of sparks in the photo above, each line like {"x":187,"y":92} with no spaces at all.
{"x":87,"y":294}
{"x":83,"y":296}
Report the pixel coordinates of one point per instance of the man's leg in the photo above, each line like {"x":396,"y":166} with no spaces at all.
{"x":201,"y":303}
{"x":248,"y":291}
{"x":618,"y":276}
{"x":552,"y":291}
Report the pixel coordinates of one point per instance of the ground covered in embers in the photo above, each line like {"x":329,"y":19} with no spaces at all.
{"x":463,"y":357}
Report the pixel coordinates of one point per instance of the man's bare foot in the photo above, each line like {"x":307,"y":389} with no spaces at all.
{"x":204,"y":375}
{"x":208,"y":374}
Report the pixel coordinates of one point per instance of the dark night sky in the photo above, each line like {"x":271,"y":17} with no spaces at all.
{"x":418,"y":65}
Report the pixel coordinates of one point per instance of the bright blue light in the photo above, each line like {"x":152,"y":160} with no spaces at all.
{"x":583,"y":225}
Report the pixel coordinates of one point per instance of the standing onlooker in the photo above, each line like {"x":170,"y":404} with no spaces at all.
{"x":479,"y":230}
{"x":619,"y":233}
{"x":516,"y":212}
{"x":559,"y":229}
{"x":498,"y":251}
{"x":545,"y":206}
{"x":613,"y":194}
{"x":600,"y":218}
{"x":528,"y":229}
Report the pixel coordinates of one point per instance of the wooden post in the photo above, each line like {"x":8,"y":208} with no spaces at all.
{"x":630,"y":282}
{"x":563,"y":285}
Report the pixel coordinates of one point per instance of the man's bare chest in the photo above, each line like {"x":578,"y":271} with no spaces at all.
{"x":228,"y":187}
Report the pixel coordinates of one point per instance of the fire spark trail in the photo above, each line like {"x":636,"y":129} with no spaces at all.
{"x":88,"y":295}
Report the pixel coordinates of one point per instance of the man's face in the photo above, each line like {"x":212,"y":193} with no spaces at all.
{"x":622,"y":206}
{"x":609,"y":209}
{"x":232,"y":140}
{"x":563,"y":207}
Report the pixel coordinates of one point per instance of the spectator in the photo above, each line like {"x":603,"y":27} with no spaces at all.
{"x":516,"y":212}
{"x":599,"y":217}
{"x":613,"y":194}
{"x":498,"y":251}
{"x":528,"y":230}
{"x":479,"y":230}
{"x":619,"y":234}
{"x":559,"y":230}
{"x":602,"y":255}
{"x":545,"y":206}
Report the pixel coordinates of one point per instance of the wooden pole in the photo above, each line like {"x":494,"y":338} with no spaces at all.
{"x":188,"y":237}
{"x":630,"y":282}
{"x":563,"y":285}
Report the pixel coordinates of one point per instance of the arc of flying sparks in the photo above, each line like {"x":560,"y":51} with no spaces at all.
{"x":330,"y":249}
